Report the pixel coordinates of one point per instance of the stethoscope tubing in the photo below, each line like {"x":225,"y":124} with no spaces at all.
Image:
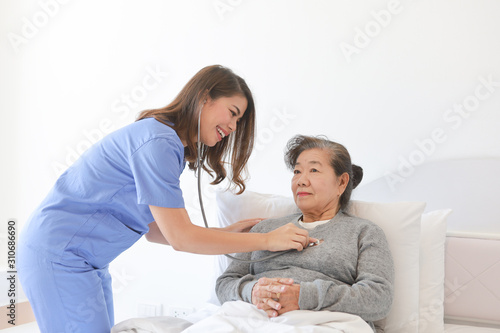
{"x":200,"y":163}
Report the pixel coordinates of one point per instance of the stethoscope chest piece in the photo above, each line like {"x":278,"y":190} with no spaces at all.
{"x":313,"y":244}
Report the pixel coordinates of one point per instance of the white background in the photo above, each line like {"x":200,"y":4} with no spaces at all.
{"x":67,"y":69}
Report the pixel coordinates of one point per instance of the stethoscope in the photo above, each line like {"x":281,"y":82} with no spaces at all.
{"x":200,"y":163}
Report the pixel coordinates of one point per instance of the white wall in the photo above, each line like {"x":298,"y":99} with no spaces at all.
{"x":65,"y":77}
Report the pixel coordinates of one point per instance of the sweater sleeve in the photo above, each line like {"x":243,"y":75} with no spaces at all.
{"x":236,"y":283}
{"x":371,"y":294}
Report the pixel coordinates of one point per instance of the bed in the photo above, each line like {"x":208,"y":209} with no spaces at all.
{"x":440,"y":223}
{"x":470,"y":187}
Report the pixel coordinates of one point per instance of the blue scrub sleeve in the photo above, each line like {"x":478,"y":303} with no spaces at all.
{"x":157,"y":166}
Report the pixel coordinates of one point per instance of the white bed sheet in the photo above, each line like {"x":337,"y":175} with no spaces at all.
{"x":243,"y":317}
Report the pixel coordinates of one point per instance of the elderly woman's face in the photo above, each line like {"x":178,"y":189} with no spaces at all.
{"x":315,"y":186}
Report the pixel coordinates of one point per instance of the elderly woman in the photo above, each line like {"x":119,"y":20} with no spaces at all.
{"x":350,"y":270}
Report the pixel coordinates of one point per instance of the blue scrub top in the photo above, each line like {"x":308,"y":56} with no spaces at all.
{"x":99,"y":206}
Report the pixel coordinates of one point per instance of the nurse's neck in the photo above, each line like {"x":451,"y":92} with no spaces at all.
{"x":183,"y":141}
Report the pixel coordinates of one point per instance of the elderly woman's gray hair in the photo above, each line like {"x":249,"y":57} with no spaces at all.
{"x":340,"y":160}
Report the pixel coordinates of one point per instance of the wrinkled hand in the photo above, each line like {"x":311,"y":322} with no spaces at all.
{"x":276,"y":295}
{"x":289,"y":300}
{"x":242,"y":226}
{"x":288,"y":237}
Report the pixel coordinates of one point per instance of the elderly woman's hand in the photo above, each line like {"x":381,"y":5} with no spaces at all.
{"x":268,"y":293}
{"x":289,"y":299}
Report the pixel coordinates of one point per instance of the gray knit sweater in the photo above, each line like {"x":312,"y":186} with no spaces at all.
{"x":351,"y":271}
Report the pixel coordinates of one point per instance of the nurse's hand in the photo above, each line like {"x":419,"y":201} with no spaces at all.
{"x":288,"y":237}
{"x":242,"y":226}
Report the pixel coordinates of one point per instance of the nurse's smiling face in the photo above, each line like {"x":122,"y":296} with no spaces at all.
{"x":219,"y":118}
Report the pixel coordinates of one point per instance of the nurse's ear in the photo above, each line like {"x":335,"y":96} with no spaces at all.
{"x":206,"y":97}
{"x":207,"y":100}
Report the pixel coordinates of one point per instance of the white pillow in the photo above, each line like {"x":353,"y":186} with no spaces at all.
{"x":401,"y":225}
{"x":232,"y":208}
{"x":400,"y":222}
{"x":432,"y":253}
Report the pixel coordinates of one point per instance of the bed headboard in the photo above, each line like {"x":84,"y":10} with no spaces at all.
{"x":471,"y":188}
{"x":472,"y":280}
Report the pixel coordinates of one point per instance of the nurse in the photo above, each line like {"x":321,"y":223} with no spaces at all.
{"x":126,"y":186}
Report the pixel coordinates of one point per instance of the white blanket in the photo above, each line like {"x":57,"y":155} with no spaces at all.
{"x":244,"y":317}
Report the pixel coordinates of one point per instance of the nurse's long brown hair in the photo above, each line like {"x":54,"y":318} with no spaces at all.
{"x":182,"y":115}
